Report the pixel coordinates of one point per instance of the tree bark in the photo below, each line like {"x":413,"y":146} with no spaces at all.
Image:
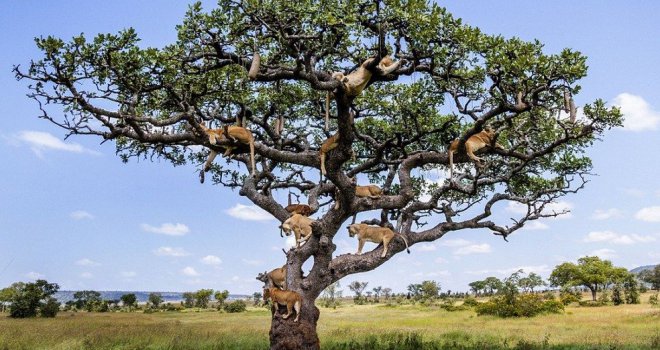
{"x":290,"y":335}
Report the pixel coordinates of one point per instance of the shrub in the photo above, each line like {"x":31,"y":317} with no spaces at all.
{"x":236,"y":306}
{"x":449,"y":304}
{"x":525,"y":305}
{"x":50,"y":308}
{"x":470,"y":301}
{"x":591,"y":303}
{"x":567,"y":296}
{"x":653,"y":299}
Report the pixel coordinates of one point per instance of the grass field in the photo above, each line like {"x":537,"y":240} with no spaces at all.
{"x":347,"y":327}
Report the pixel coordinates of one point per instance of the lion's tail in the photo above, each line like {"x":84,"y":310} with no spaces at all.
{"x":404,"y":241}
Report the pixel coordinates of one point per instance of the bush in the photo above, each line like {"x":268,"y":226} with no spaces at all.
{"x":236,"y":306}
{"x":653,"y":299}
{"x":449,"y":305}
{"x":525,"y":305}
{"x":173,"y":307}
{"x":470,"y":301}
{"x":50,"y":308}
{"x":591,"y":303}
{"x":567,"y":296}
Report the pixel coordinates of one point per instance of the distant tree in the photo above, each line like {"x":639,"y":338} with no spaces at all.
{"x":202,"y":298}
{"x":155,"y":299}
{"x":49,"y":308}
{"x":631,"y":289}
{"x":220,"y":298}
{"x":188,"y":299}
{"x":129,"y":300}
{"x":256,"y":298}
{"x":415,"y":290}
{"x":330,"y":295}
{"x":617,"y":297}
{"x":651,"y":277}
{"x":430,"y":289}
{"x":28,"y":298}
{"x":6,"y":295}
{"x":530,"y":282}
{"x":590,"y":272}
{"x":492,"y":285}
{"x":87,"y":300}
{"x":477,"y":286}
{"x":377,"y":291}
{"x":357,"y":287}
{"x":387,"y":293}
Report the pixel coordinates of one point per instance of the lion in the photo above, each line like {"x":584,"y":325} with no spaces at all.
{"x":300,"y":225}
{"x":375,"y":234}
{"x":291,"y":299}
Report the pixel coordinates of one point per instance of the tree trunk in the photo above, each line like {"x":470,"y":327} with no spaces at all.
{"x":593,"y":293}
{"x":290,"y":335}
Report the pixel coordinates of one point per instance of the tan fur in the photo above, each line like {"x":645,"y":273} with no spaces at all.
{"x":474,"y":143}
{"x":357,"y":80}
{"x":300,"y":225}
{"x":331,"y":143}
{"x":371,"y":191}
{"x":302,"y":209}
{"x":291,"y":299}
{"x":277,"y":277}
{"x":375,"y":234}
{"x":254,"y":67}
{"x":233,"y":133}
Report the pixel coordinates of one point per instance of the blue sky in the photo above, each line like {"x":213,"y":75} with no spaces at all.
{"x":72,"y":213}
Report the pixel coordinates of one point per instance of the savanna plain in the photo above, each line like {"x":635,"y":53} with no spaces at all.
{"x":348,"y":326}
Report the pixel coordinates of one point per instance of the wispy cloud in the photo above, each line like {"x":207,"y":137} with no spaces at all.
{"x":604,"y":214}
{"x":539,"y":269}
{"x":86,"y":262}
{"x":638,"y":114}
{"x":211,"y":260}
{"x":81,"y":215}
{"x":34,"y":275}
{"x":616,"y":238}
{"x":40,"y":141}
{"x":252,"y":262}
{"x":169,"y":251}
{"x":87,"y":275}
{"x":634,"y":192}
{"x":534,"y":225}
{"x":189,"y":271}
{"x":425,"y":247}
{"x":128,"y":274}
{"x":249,"y":213}
{"x":167,"y":229}
{"x":456,"y":242}
{"x":649,"y":214}
{"x":473,"y":249}
{"x":604,"y":253}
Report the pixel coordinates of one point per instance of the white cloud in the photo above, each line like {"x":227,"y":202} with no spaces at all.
{"x":34,"y":275}
{"x":128,"y":274}
{"x":634,"y":192}
{"x":86,"y":275}
{"x":441,"y":273}
{"x":550,"y":208}
{"x":40,"y":141}
{"x":604,"y":253}
{"x":189,"y":271}
{"x":616,"y":238}
{"x":604,"y":214}
{"x":81,"y":215}
{"x":211,"y":260}
{"x":426,"y":247}
{"x":440,"y":260}
{"x":534,"y":226}
{"x":249,"y":213}
{"x":539,"y":269}
{"x":637,"y":113}
{"x":252,"y":262}
{"x":457,"y":242}
{"x":169,"y":251}
{"x":167,"y":229}
{"x":86,"y":262}
{"x":473,"y":249}
{"x":650,"y":214}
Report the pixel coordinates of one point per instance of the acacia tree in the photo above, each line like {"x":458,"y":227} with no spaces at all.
{"x":590,"y":272}
{"x":454,"y":82}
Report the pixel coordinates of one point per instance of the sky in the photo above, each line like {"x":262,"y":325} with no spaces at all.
{"x":71,"y":212}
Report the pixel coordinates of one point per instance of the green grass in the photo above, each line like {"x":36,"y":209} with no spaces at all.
{"x":348,"y":327}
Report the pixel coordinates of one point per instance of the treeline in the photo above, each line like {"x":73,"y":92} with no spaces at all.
{"x":30,"y":299}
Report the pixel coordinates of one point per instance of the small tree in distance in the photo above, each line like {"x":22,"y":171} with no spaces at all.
{"x":452,"y":82}
{"x":129,"y":300}
{"x":220,"y":298}
{"x":155,"y":299}
{"x":33,"y":298}
{"x":590,"y":272}
{"x":358,"y":287}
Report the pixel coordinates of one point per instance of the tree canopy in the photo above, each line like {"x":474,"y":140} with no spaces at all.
{"x":590,"y":272}
{"x":453,"y":81}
